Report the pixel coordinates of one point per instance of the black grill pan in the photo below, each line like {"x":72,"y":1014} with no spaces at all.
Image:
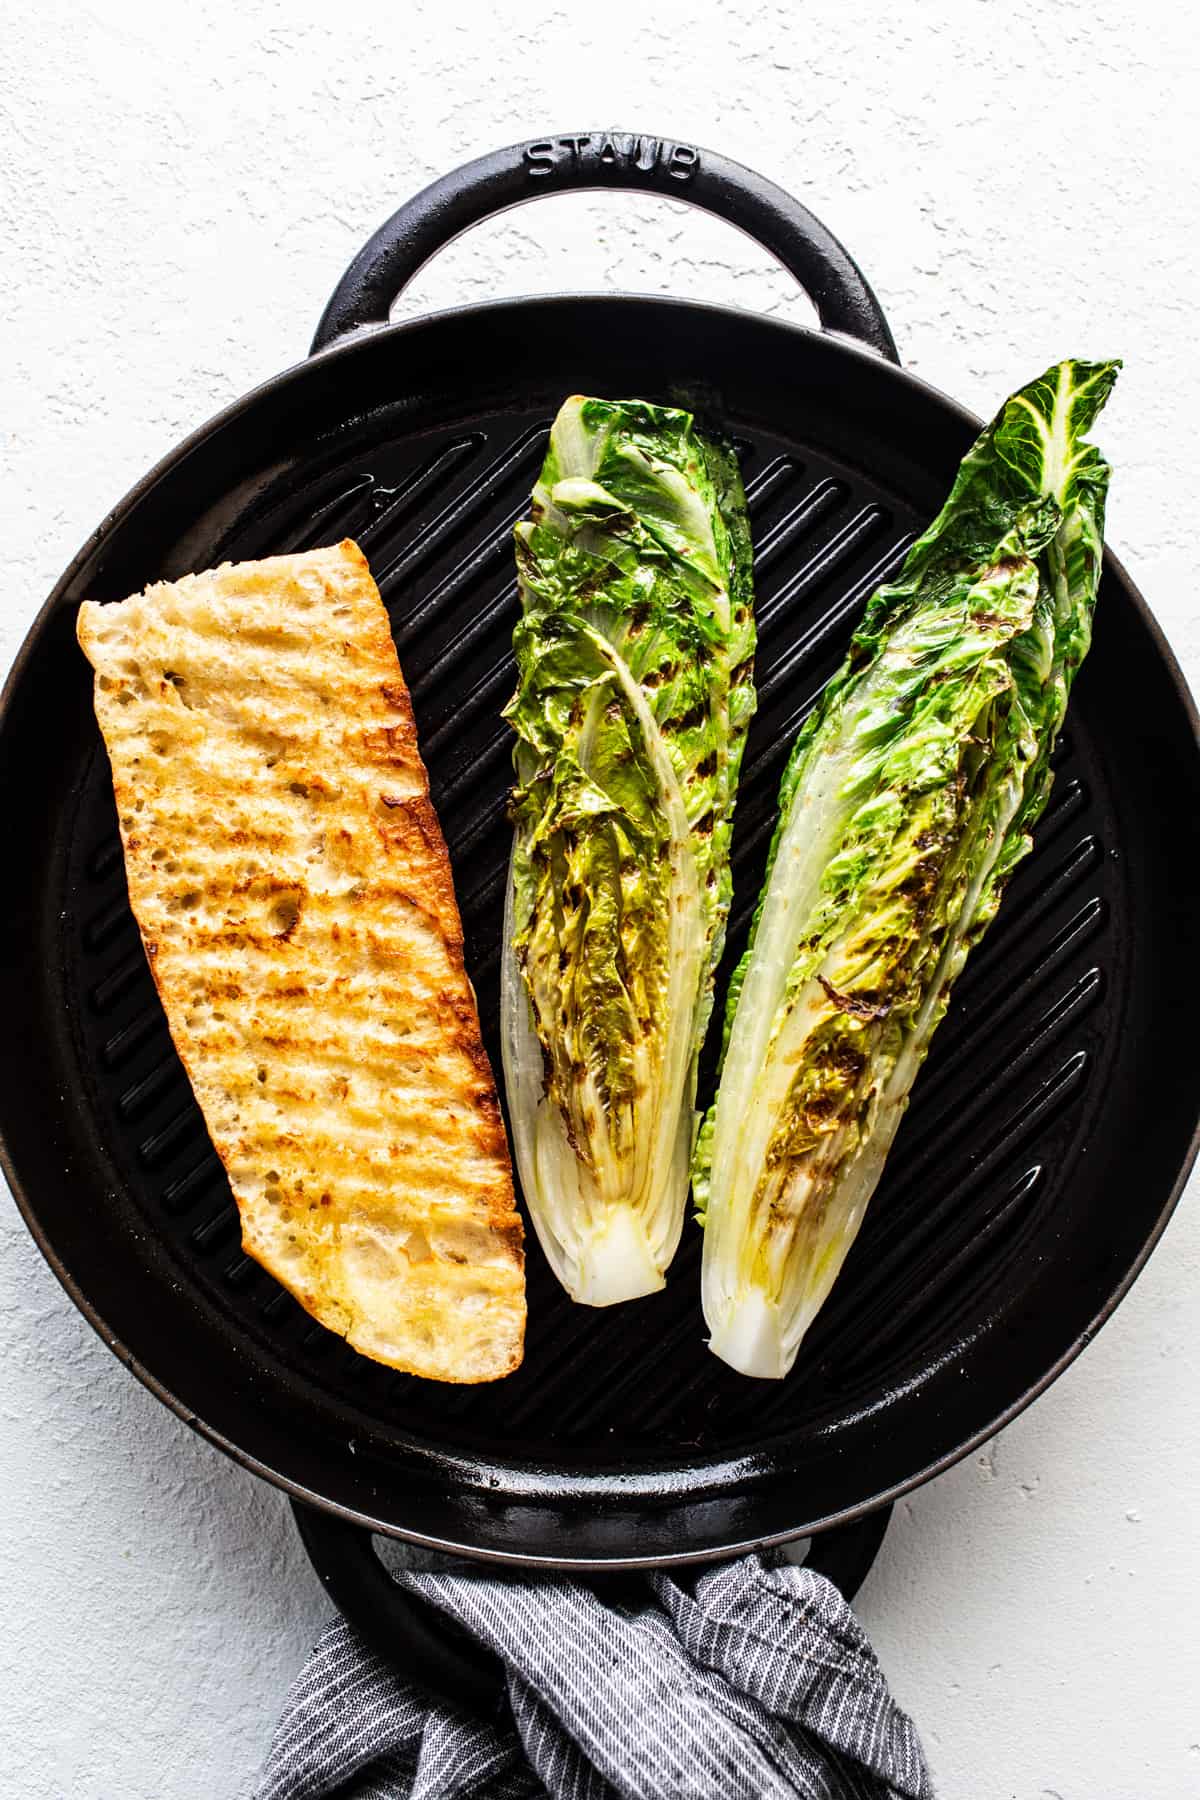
{"x":1051,"y":1129}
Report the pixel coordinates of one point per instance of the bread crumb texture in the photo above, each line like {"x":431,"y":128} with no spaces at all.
{"x":291,"y":883}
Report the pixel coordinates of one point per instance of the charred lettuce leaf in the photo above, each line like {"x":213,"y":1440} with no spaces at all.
{"x":909,"y":797}
{"x":635,"y":688}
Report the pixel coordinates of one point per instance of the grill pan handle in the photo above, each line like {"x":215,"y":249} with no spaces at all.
{"x":420,"y":1644}
{"x":428,"y":1649}
{"x":606,"y":159}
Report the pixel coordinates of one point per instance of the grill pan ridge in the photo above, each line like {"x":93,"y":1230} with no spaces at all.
{"x":1013,"y":1212}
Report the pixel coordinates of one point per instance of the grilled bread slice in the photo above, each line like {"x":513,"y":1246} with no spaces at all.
{"x":294,"y":895}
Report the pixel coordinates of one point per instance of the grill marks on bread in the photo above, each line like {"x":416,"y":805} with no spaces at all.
{"x":291,"y":883}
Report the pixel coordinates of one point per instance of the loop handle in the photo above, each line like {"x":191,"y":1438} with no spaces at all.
{"x":431,"y":1651}
{"x":579,"y":160}
{"x":426,"y":1648}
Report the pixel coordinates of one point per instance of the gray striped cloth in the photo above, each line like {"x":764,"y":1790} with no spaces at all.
{"x":759,"y":1684}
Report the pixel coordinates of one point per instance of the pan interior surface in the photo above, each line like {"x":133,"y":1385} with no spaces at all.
{"x":1046,"y":1134}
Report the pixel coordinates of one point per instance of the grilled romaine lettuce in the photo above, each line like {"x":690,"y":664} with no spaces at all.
{"x":908,"y":799}
{"x":635,"y":687}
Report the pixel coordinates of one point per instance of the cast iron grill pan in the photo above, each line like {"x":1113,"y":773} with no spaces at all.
{"x":437,"y":528}
{"x":1049,"y":1133}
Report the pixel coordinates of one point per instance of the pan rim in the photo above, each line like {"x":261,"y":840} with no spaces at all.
{"x":355,"y":343}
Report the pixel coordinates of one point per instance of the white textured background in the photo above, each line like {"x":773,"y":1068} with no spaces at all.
{"x":180,"y":187}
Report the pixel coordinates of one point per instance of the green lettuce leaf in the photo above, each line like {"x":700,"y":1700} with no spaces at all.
{"x":635,"y":688}
{"x":909,"y":798}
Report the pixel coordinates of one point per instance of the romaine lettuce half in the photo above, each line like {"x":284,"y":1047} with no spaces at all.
{"x":909,"y":797}
{"x":635,"y":687}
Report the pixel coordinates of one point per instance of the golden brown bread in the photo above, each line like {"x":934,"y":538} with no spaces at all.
{"x":291,"y":882}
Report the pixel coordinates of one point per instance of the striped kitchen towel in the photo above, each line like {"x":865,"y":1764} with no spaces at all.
{"x":757,"y":1683}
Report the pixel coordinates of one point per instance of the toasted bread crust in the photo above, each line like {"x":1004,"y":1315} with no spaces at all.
{"x":290,"y":879}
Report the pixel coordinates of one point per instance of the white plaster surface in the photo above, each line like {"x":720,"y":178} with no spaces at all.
{"x":180,"y":187}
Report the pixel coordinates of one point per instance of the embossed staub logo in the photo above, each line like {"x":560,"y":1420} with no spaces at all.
{"x":596,"y":150}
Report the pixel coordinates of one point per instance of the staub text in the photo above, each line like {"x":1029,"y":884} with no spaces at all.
{"x":613,"y":149}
